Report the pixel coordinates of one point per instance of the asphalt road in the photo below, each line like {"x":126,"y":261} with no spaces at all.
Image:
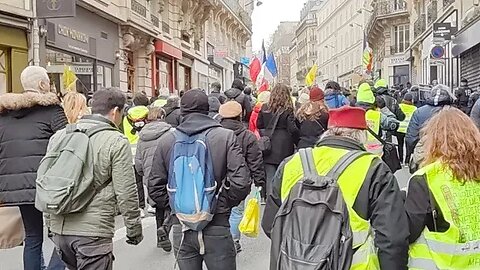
{"x":255,"y":254}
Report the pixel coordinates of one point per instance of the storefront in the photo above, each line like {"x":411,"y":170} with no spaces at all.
{"x":201,"y":71}
{"x":399,"y":69}
{"x":241,"y":71}
{"x":467,"y":48}
{"x":13,"y":58}
{"x":88,"y":45}
{"x":216,"y":71}
{"x":184,"y":74}
{"x":164,"y":70}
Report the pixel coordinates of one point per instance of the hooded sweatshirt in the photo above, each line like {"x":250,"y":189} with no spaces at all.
{"x":240,"y":97}
{"x":335,"y":99}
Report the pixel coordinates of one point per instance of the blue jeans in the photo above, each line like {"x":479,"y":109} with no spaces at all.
{"x":32,"y":250}
{"x":235,"y":219}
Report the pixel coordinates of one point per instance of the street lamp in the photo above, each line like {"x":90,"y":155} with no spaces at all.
{"x":259,"y":3}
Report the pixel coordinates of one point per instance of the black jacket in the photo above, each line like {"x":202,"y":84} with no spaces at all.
{"x":220,"y":96}
{"x":27,"y":121}
{"x":240,"y":97}
{"x":228,"y":163}
{"x":251,"y":152}
{"x":391,"y":103}
{"x":379,"y":201}
{"x":284,"y":138}
{"x":311,"y":131}
{"x":463,"y":94}
{"x":173,"y":116}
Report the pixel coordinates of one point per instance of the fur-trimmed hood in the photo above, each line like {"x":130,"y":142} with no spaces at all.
{"x":16,"y":102}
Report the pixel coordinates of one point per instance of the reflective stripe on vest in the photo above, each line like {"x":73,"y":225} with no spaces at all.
{"x":373,"y":121}
{"x":127,"y":131}
{"x":459,"y":246}
{"x":408,"y":110}
{"x":365,"y":257}
{"x":350,"y":183}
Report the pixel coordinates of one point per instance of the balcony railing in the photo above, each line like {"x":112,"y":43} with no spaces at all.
{"x":420,"y":26}
{"x":239,"y":12}
{"x":386,"y":9}
{"x":432,"y":13}
{"x":447,"y":3}
{"x":165,"y":27}
{"x":139,"y":8}
{"x":155,"y":20}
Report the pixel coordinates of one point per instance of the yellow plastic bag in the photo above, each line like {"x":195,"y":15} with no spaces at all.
{"x":250,"y":224}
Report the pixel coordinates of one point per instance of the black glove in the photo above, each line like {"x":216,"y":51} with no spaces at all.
{"x":135,"y":240}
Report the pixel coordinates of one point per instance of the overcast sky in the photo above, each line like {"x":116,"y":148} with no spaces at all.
{"x":267,"y":17}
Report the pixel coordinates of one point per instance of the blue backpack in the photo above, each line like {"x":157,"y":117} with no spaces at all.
{"x":191,"y":182}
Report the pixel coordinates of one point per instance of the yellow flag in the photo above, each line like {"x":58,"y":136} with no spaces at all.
{"x":69,"y":79}
{"x":311,"y":76}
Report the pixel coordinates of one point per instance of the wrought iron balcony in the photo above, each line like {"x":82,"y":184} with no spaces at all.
{"x":420,"y":26}
{"x":165,"y":27}
{"x":239,"y":11}
{"x":387,"y":9}
{"x":139,"y":8}
{"x":432,"y":13}
{"x":447,"y":3}
{"x":155,"y":20}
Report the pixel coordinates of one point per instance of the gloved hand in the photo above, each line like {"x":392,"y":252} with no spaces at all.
{"x":134,"y":240}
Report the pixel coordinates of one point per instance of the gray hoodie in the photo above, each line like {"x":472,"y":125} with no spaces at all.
{"x":147,"y":144}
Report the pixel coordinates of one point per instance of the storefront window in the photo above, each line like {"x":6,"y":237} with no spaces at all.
{"x":203,"y":82}
{"x":82,"y":66}
{"x":3,"y":70}
{"x":104,"y":76}
{"x":164,"y":71}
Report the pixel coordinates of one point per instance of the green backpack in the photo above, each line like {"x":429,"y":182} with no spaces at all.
{"x":65,"y":182}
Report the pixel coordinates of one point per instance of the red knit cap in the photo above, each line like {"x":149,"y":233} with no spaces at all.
{"x":347,"y":117}
{"x":316,"y":94}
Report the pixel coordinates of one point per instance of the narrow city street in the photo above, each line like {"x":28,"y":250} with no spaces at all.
{"x":255,"y":254}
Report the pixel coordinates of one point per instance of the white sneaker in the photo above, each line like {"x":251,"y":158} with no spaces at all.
{"x":142,"y":213}
{"x":150,"y":209}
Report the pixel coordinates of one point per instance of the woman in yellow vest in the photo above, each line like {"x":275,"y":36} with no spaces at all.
{"x":408,"y":109}
{"x":443,"y":197}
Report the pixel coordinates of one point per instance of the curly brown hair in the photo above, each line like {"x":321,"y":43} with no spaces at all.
{"x":452,"y":138}
{"x":311,"y":110}
{"x":280,"y":99}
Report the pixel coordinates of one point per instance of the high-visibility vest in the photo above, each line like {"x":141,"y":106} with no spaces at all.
{"x":373,"y":146}
{"x":137,"y":112}
{"x":350,"y":182}
{"x":408,"y":110}
{"x":459,"y":246}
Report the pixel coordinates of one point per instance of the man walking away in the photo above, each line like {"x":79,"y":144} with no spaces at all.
{"x":236,"y":93}
{"x":84,"y":238}
{"x":381,"y":89}
{"x":230,"y":113}
{"x":408,"y":108}
{"x":463,"y":94}
{"x":216,"y":92}
{"x":172,"y":111}
{"x":248,"y":92}
{"x":372,"y":199}
{"x":217,"y":161}
{"x":334,"y":97}
{"x":27,"y":121}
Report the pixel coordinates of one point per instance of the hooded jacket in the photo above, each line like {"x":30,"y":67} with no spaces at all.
{"x":439,"y":97}
{"x":251,"y":152}
{"x":228,"y":165}
{"x":218,"y":95}
{"x":27,"y":121}
{"x":335,"y":99}
{"x":147,"y":144}
{"x":173,"y":116}
{"x":379,"y":201}
{"x":391,"y":103}
{"x":213,"y":107}
{"x":112,"y":168}
{"x":240,"y":97}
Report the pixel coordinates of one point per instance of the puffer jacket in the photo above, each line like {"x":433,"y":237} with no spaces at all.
{"x":172,"y":115}
{"x":240,"y":97}
{"x":438,"y":98}
{"x":250,"y":149}
{"x":27,"y":121}
{"x":147,"y":144}
{"x":112,"y":164}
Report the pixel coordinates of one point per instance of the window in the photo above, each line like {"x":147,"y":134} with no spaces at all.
{"x":401,"y":38}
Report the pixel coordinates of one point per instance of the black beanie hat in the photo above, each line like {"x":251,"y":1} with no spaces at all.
{"x":194,"y":101}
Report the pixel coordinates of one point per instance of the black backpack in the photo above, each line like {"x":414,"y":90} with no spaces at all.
{"x":311,"y":230}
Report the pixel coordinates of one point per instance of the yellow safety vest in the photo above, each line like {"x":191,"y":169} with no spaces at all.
{"x":350,"y":182}
{"x":373,"y":146}
{"x":459,"y":246}
{"x":408,"y":110}
{"x":137,"y":112}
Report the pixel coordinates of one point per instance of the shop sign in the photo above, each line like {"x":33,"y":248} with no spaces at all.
{"x":72,"y":33}
{"x":398,"y":60}
{"x":56,"y":8}
{"x":444,"y":31}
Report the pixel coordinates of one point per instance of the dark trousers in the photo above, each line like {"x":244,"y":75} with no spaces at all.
{"x":401,"y":145}
{"x":162,"y":218}
{"x":140,"y":189}
{"x":270,"y":171}
{"x":32,"y":250}
{"x":214,"y":246}
{"x":85,"y":253}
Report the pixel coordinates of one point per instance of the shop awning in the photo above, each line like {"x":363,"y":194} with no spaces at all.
{"x":165,"y":48}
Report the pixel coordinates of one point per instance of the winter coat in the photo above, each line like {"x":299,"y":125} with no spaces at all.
{"x":379,"y":200}
{"x":475,"y":114}
{"x":112,"y":164}
{"x":285,"y":135}
{"x":147,"y":144}
{"x":240,"y":97}
{"x":173,"y":116}
{"x":463,"y":94}
{"x":391,"y":103}
{"x":435,"y":102}
{"x":213,"y":107}
{"x":311,"y":131}
{"x":472,"y":100}
{"x":228,"y":164}
{"x":27,"y":121}
{"x":251,"y":152}
{"x":220,"y":96}
{"x":335,"y":99}
{"x":252,"y":126}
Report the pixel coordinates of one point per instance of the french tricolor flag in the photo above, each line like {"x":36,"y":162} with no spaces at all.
{"x":263,"y":73}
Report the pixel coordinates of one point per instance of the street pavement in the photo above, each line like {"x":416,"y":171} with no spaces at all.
{"x":146,"y":255}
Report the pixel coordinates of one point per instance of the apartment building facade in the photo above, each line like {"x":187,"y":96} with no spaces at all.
{"x":280,"y":44}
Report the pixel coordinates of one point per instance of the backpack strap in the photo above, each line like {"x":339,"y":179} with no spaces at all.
{"x":344,"y":162}
{"x":308,"y":163}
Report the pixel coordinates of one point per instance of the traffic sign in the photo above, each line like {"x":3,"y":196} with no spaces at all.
{"x":444,"y":30}
{"x":437,"y":52}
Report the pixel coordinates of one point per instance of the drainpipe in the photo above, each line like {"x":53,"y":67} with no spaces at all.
{"x":35,"y":35}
